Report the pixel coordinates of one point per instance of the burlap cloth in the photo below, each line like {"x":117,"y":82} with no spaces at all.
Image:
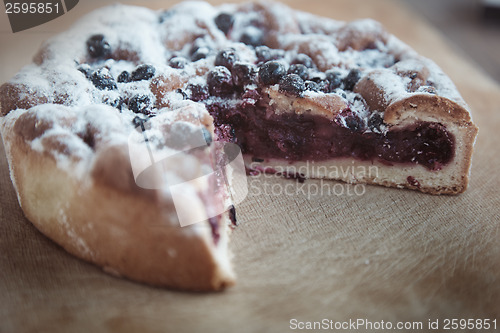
{"x":391,"y":255}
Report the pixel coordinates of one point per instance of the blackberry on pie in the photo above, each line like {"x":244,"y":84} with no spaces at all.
{"x":287,"y":87}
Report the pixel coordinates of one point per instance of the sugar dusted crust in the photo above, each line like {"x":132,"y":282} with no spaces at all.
{"x":102,"y":216}
{"x":68,"y":117}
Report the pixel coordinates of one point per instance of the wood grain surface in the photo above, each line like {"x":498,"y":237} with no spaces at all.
{"x":389,"y":254}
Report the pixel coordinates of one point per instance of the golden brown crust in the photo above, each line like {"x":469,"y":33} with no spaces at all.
{"x":19,"y":96}
{"x":350,"y":36}
{"x":420,"y":106}
{"x":120,"y":229}
{"x":327,"y":106}
{"x":373,"y":94}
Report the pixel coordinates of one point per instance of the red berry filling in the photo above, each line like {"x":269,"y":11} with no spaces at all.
{"x":303,"y":137}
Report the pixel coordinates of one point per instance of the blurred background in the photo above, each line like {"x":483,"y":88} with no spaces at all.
{"x":471,"y":26}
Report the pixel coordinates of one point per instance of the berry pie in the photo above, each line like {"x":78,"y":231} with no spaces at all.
{"x":299,"y":94}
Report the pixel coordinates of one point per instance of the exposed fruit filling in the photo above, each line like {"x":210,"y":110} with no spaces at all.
{"x":300,"y":137}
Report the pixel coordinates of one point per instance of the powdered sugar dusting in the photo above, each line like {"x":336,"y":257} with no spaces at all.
{"x":107,"y":109}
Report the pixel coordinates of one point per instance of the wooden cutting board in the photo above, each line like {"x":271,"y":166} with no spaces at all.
{"x":391,"y":255}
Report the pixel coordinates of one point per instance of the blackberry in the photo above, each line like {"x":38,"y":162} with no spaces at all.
{"x":178,"y":62}
{"x":198,"y":42}
{"x":351,"y":79}
{"x":300,"y":70}
{"x":264,"y":54}
{"x":292,"y":84}
{"x":352,"y":121}
{"x":124,"y":77}
{"x":252,"y":94}
{"x":198,"y":92}
{"x":313,"y":86}
{"x":334,"y":80}
{"x":322,"y":83}
{"x":316,"y":78}
{"x":226,"y":58}
{"x":85,"y":69}
{"x":199,"y":50}
{"x":220,"y":81}
{"x":324,"y":86}
{"x":271,"y":72}
{"x":243,"y":74}
{"x":114,"y":102}
{"x":252,"y":36}
{"x":200,"y":53}
{"x":224,"y":22}
{"x":376,"y":122}
{"x":303,"y":59}
{"x":98,"y":47}
{"x":143,"y":72}
{"x":140,"y":104}
{"x":103,"y":80}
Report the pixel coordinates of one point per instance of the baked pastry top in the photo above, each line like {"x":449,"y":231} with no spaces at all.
{"x":285,"y":86}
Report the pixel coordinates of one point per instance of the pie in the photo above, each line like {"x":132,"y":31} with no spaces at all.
{"x":290,"y":89}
